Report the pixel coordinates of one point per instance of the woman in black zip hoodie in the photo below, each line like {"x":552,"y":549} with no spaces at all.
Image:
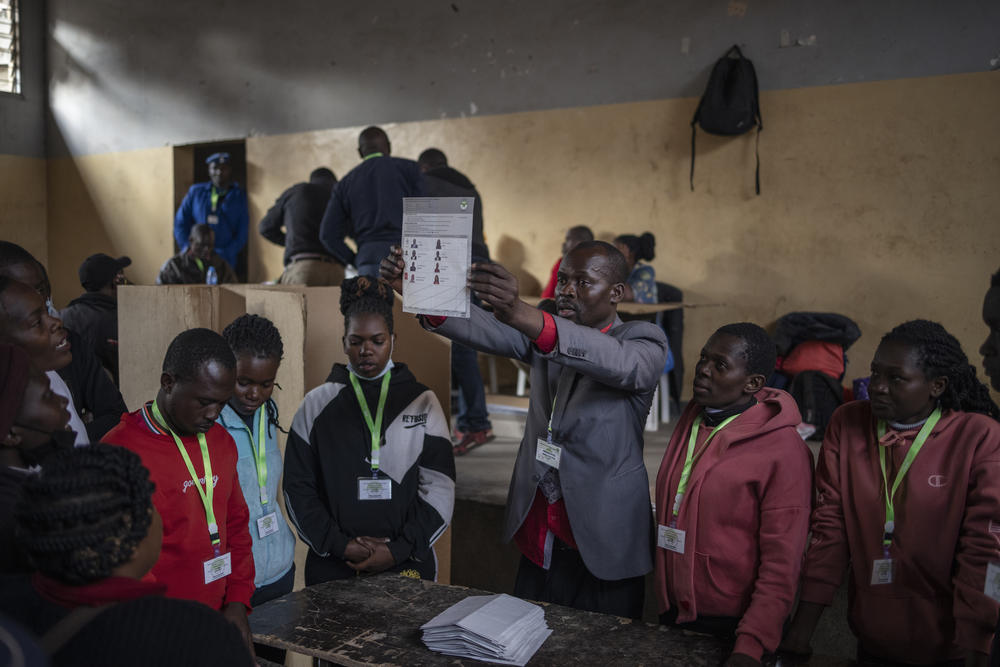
{"x":367,"y":504}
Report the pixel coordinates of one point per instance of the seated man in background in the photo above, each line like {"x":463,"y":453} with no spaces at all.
{"x":207,"y":549}
{"x":95,"y":402}
{"x":293,"y":222}
{"x":198,"y":264}
{"x":94,"y":314}
{"x":88,"y":524}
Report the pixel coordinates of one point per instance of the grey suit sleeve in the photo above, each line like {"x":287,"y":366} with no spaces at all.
{"x":483,"y":332}
{"x":631,"y":361}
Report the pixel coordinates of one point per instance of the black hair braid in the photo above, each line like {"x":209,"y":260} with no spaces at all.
{"x":366,"y":295}
{"x":272,"y":413}
{"x":255,"y":335}
{"x":940,"y":354}
{"x":85,"y":513}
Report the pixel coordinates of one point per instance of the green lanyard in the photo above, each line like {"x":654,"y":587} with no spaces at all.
{"x":689,"y":460}
{"x":206,"y":493}
{"x":201,"y":265}
{"x":215,"y":199}
{"x":918,"y":444}
{"x":260,"y":452}
{"x":371,"y":155}
{"x":374,"y":427}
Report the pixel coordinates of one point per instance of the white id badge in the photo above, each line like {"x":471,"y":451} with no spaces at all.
{"x":992,"y":588}
{"x":548,"y":454}
{"x":374,"y":488}
{"x":882,"y":571}
{"x":212,"y":219}
{"x":218,"y":567}
{"x":267,"y":524}
{"x":671,"y":539}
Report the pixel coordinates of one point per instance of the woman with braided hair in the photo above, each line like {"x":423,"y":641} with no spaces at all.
{"x":251,"y":417}
{"x":908,"y":495}
{"x":369,"y":473}
{"x":88,"y":524}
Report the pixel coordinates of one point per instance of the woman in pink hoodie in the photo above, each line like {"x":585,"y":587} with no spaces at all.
{"x":733,"y":497}
{"x":908,"y":496}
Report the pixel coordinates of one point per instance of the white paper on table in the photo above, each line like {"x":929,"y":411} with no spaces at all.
{"x":437,"y":249}
{"x":492,"y":628}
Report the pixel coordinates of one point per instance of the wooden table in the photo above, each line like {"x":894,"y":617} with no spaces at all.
{"x":376,"y":621}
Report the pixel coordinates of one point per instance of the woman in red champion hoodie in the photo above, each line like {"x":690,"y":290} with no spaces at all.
{"x":918,"y":553}
{"x":732,"y":523}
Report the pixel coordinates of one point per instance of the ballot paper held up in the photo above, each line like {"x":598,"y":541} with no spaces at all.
{"x":437,"y":250}
{"x":492,"y":628}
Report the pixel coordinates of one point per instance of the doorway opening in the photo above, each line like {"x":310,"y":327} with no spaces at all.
{"x":190,"y":168}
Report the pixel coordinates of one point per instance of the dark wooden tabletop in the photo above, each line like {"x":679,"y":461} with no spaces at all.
{"x":376,"y":621}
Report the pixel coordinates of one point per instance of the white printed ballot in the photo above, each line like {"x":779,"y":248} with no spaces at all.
{"x":491,"y":628}
{"x":437,"y":249}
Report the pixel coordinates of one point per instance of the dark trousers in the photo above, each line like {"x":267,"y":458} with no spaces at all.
{"x":472,"y":415}
{"x":264,"y":594}
{"x":568,"y":582}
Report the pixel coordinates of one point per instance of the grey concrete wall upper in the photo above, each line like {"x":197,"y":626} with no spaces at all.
{"x":127,"y":74}
{"x":22,"y":117}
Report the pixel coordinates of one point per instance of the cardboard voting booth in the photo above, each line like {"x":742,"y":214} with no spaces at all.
{"x":312,"y":330}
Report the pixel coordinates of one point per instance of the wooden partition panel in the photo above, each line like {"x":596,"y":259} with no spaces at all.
{"x":150,"y":317}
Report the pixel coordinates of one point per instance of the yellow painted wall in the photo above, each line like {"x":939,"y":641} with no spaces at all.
{"x":879,"y":200}
{"x":115,"y":203}
{"x":23,"y":203}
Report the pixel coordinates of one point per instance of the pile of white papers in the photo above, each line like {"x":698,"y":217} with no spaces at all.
{"x":491,"y":628}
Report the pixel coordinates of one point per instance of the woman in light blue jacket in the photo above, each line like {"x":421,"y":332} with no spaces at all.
{"x":251,"y":418}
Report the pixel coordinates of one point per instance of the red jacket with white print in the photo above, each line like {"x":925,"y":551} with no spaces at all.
{"x":186,"y":542}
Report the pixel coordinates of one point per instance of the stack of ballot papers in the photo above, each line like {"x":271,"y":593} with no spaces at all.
{"x":491,"y":628}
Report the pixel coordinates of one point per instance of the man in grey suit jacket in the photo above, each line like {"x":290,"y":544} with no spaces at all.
{"x":578,"y":505}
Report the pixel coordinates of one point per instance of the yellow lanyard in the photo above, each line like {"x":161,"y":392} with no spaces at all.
{"x":689,"y":460}
{"x":374,"y":426}
{"x":260,"y":451}
{"x":911,"y":455}
{"x":206,"y":493}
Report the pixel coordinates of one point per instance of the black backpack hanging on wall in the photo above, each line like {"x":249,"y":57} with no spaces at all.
{"x":730,"y":105}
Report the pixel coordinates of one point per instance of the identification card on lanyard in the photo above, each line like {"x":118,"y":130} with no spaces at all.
{"x":221,"y":565}
{"x":375,"y":487}
{"x":671,"y":537}
{"x":267,"y":524}
{"x":547,"y":451}
{"x":217,"y":568}
{"x":992,"y":588}
{"x":884,"y":569}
